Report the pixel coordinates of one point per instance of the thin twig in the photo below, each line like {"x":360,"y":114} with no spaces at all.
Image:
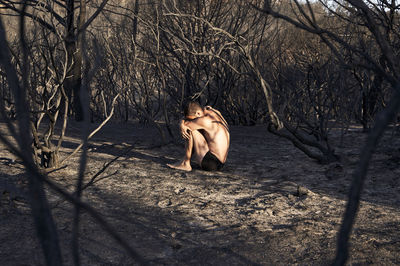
{"x":94,"y":131}
{"x":105,"y":166}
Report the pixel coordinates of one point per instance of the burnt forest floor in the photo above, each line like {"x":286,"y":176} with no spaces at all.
{"x":270,"y":205}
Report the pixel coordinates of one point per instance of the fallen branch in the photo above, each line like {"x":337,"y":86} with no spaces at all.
{"x":105,"y":166}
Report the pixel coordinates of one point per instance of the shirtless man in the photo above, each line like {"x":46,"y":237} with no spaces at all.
{"x":207,"y":138}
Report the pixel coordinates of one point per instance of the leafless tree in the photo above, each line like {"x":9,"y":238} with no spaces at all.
{"x":201,"y":43}
{"x":50,"y":15}
{"x":38,"y":84}
{"x":56,"y":69}
{"x":44,"y":223}
{"x":378,"y":20}
{"x":198,"y":57}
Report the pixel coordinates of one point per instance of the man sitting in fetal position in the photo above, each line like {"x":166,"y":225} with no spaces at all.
{"x":207,"y":138}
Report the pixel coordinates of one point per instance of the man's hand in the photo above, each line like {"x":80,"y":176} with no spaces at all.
{"x":185,"y":131}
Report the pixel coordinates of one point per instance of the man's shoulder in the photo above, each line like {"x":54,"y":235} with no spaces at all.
{"x":203,"y":120}
{"x":210,"y":118}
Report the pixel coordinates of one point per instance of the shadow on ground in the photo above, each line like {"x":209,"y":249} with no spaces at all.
{"x":269,"y":205}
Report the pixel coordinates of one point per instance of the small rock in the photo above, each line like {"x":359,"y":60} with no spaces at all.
{"x":179,"y":190}
{"x":180,"y":175}
{"x":164,"y":203}
{"x":301,"y":191}
{"x":270,"y":212}
{"x":183,"y":175}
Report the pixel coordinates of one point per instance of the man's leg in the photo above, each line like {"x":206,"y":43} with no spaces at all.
{"x":196,"y":147}
{"x":200,"y":147}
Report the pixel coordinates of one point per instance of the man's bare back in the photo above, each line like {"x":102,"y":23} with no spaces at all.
{"x":217,"y":135}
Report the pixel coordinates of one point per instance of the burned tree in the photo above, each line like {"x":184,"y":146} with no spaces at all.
{"x":379,"y":21}
{"x":21,"y":82}
{"x":55,"y":80}
{"x":60,"y":21}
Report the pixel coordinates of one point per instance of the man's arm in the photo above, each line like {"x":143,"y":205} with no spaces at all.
{"x":186,"y":126}
{"x":218,"y":113}
{"x":184,"y":129}
{"x":203,"y":122}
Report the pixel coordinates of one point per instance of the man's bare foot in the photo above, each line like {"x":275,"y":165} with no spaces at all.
{"x":181,"y":166}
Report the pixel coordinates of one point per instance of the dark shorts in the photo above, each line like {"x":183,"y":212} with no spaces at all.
{"x":211,"y":163}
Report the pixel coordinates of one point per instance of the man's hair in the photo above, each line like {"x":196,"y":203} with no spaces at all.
{"x":191,"y":108}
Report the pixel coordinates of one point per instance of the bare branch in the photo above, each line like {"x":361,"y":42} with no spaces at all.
{"x":94,"y":131}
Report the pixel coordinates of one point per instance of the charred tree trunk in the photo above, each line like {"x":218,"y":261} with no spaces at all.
{"x":46,"y":155}
{"x":50,"y":159}
{"x":73,"y":81}
{"x":369,"y":102}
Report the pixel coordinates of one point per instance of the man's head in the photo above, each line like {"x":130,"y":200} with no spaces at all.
{"x":193,"y":110}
